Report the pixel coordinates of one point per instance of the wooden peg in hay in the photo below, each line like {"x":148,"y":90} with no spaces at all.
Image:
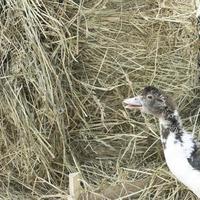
{"x":74,"y":186}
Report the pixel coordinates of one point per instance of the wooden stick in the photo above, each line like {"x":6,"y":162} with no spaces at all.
{"x":74,"y":186}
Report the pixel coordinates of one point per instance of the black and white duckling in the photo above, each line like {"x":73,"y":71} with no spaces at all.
{"x":181,"y":151}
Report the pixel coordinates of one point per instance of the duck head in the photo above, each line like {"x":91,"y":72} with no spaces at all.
{"x":152,"y":101}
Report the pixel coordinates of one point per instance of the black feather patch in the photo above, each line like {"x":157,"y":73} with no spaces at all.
{"x":194,"y":159}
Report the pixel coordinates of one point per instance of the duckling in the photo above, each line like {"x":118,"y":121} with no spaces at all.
{"x":181,"y":150}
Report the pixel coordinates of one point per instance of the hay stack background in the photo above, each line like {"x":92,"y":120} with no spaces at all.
{"x":66,"y":66}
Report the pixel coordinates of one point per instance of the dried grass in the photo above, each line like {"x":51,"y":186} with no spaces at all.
{"x":66,"y":66}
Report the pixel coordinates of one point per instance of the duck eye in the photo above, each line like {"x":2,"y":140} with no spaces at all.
{"x":149,"y":96}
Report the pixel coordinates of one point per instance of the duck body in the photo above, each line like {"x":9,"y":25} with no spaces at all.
{"x":178,"y":152}
{"x":181,"y":151}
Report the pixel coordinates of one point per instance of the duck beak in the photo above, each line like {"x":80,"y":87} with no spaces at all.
{"x":132,"y":103}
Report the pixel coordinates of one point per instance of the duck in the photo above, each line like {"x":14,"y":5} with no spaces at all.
{"x":181,"y":149}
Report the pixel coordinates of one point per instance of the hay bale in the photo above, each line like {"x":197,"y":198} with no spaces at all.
{"x":65,"y":68}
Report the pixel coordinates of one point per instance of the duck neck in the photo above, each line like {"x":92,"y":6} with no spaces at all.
{"x":170,"y":123}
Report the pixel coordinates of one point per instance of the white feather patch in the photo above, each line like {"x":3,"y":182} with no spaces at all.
{"x":188,"y":144}
{"x":176,"y":154}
